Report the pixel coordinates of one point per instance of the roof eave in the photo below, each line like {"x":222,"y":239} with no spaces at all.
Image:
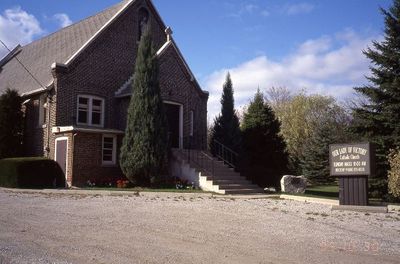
{"x":192,"y":77}
{"x":38,"y":91}
{"x":10,"y":55}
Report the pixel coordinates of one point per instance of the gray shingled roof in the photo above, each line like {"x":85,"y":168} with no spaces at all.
{"x":57,"y":47}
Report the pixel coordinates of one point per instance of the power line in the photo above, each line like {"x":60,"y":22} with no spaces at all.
{"x":23,"y":66}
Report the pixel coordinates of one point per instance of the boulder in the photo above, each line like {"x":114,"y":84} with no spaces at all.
{"x":293,"y":184}
{"x":270,"y":190}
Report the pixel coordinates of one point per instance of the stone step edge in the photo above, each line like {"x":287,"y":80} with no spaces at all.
{"x":237,"y":186}
{"x":309,"y":199}
{"x":244,"y":190}
{"x":358,"y":208}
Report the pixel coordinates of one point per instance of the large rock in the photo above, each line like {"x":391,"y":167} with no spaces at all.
{"x":293,"y":184}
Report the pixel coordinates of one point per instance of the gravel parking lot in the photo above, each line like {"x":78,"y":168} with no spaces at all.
{"x":188,"y":228}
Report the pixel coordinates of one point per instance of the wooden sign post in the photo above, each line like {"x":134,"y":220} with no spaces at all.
{"x":352,"y":163}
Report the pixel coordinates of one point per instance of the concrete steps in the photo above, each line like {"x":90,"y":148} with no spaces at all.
{"x":224,"y":180}
{"x":236,"y":186}
{"x":244,"y":191}
{"x":230,"y":181}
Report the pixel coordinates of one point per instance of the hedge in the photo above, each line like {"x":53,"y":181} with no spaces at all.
{"x":32,"y":172}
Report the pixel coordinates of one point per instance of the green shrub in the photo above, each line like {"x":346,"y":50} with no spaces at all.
{"x":394,"y":173}
{"x":11,"y":124}
{"x":31,"y":173}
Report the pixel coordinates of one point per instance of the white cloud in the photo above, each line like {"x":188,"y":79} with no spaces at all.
{"x":17,"y":27}
{"x":250,"y":8}
{"x":63,"y":19}
{"x":330,"y":65}
{"x":301,"y":8}
{"x":316,"y":45}
{"x":246,"y":10}
{"x":264,"y":13}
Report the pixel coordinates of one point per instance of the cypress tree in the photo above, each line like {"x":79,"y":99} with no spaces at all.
{"x":144,"y":146}
{"x":264,"y":159}
{"x":226,"y":127}
{"x":11,"y":124}
{"x":377,"y":120}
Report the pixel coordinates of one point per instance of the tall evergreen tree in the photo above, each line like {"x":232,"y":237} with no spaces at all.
{"x":377,"y":120}
{"x":331,"y":126}
{"x":264,"y":159}
{"x":315,"y":159}
{"x":144,"y":146}
{"x":226,"y":127}
{"x":11,"y":124}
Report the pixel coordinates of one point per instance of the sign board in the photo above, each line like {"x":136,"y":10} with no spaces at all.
{"x":351,"y":159}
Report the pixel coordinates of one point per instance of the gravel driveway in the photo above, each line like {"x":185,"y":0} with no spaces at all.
{"x":188,"y":228}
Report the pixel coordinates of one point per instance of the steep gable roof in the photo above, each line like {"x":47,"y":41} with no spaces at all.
{"x":126,"y":89}
{"x":60,"y":46}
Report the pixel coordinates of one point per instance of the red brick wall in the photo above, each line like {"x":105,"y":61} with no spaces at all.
{"x":87,"y":160}
{"x":177,"y":86}
{"x":103,"y":67}
{"x":100,"y":70}
{"x":38,"y":137}
{"x":33,"y":131}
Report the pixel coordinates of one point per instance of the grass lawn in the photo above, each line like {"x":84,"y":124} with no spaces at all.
{"x":326,"y":191}
{"x":322,"y":191}
{"x":332,"y":192}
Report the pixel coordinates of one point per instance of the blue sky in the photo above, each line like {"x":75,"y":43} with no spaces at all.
{"x":310,"y":44}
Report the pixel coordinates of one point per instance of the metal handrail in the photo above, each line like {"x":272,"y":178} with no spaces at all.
{"x":226,"y":154}
{"x":203,"y":165}
{"x":234,"y":152}
{"x":193,"y":151}
{"x":208,"y":156}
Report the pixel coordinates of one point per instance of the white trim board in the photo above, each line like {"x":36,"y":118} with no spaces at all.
{"x":113,"y":161}
{"x":159,"y":53}
{"x":91,"y":39}
{"x":39,"y":90}
{"x":90,"y":110}
{"x":66,"y":154}
{"x":80,"y":50}
{"x":109,"y":22}
{"x":163,"y":48}
{"x":173,"y":44}
{"x":66,"y":129}
{"x":180,"y":120}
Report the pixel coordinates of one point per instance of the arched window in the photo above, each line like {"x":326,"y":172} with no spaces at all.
{"x":143,"y":20}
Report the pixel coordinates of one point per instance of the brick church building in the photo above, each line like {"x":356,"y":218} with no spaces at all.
{"x":76,"y":111}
